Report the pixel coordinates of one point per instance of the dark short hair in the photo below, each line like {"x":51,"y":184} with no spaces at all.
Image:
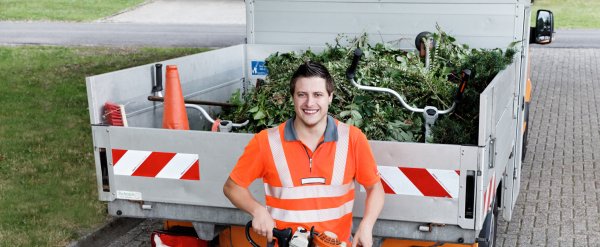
{"x":312,"y":69}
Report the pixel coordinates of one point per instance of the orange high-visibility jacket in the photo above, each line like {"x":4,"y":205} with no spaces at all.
{"x":306,"y":188}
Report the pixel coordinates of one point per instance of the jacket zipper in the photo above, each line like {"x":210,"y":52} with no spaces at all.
{"x":310,"y":159}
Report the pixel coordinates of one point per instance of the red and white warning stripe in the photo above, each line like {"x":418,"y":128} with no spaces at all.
{"x":420,"y":181}
{"x":489,"y":194}
{"x":156,"y":164}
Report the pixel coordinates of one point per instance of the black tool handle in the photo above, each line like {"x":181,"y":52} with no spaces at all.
{"x":311,"y":235}
{"x":352,"y":69}
{"x":157,"y":78}
{"x":464,"y":79}
{"x":283,"y":236}
{"x":248,"y":226}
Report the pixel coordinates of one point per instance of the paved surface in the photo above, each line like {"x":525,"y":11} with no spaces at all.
{"x":139,"y":236}
{"x":121,"y":34}
{"x":560,"y":187}
{"x":214,"y":12}
{"x":158,"y":23}
{"x":582,"y":38}
{"x":182,"y":23}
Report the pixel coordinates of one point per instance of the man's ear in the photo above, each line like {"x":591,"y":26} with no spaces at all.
{"x":422,"y":51}
{"x":330,"y":97}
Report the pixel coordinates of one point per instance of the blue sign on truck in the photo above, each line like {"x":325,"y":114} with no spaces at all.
{"x":259,"y":68}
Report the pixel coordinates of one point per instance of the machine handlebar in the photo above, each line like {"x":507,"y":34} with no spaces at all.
{"x":283,"y":236}
{"x":158,"y":87}
{"x":464,"y":79}
{"x":355,"y":59}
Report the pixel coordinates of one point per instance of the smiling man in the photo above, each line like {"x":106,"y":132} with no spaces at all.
{"x":308,"y":165}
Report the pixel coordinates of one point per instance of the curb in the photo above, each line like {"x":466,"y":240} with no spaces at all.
{"x":105,"y":234}
{"x":104,"y":19}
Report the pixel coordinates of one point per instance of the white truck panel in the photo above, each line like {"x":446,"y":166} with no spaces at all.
{"x":512,"y":177}
{"x":217,"y":154}
{"x":198,"y":73}
{"x":488,"y":25}
{"x":418,"y":155}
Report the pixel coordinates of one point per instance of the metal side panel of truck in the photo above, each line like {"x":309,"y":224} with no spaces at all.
{"x":471,"y":175}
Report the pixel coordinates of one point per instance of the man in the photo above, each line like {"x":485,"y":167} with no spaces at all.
{"x":308,"y":165}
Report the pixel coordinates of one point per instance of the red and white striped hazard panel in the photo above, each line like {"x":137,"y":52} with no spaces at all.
{"x":156,"y":164}
{"x":420,"y":181}
{"x":488,"y":195}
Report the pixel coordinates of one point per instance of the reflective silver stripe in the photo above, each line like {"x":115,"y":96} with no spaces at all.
{"x":341,"y":153}
{"x":310,"y":191}
{"x":279,"y":157}
{"x":306,"y":216}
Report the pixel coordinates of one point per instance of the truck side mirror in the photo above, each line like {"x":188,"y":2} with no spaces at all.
{"x":544,"y":27}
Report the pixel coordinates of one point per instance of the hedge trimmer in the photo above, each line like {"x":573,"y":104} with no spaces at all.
{"x":430,"y":113}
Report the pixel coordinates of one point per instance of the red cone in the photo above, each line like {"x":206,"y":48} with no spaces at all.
{"x":174,"y":116}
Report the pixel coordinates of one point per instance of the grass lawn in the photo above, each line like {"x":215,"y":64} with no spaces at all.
{"x":62,"y":10}
{"x":571,"y":14}
{"x":47,"y":174}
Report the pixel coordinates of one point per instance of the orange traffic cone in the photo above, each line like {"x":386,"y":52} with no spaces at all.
{"x":174,"y":116}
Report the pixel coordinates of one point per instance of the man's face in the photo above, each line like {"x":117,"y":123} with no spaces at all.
{"x":311,"y":101}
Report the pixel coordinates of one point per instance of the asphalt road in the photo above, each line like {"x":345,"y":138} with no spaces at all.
{"x":183,"y":35}
{"x":574,"y":39}
{"x":121,"y":34}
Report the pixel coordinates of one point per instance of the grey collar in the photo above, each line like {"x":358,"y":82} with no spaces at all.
{"x":331,"y":135}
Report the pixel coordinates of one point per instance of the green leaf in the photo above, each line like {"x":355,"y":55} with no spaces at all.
{"x":355,"y":114}
{"x":405,"y":136}
{"x":344,"y":114}
{"x":253,"y":110}
{"x":259,"y":115}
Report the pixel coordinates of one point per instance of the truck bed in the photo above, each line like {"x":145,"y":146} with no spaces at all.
{"x":426,"y":184}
